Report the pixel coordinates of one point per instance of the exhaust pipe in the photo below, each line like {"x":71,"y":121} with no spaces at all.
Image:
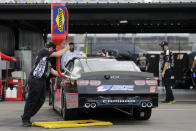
{"x":144,"y":104}
{"x":149,"y":104}
{"x":93,"y":105}
{"x":87,"y":105}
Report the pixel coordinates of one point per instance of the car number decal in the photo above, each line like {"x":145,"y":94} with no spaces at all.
{"x":71,"y":100}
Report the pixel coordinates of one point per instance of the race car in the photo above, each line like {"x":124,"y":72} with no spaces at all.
{"x":95,"y":83}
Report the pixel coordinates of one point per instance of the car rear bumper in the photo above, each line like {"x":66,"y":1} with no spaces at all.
{"x":118,"y":101}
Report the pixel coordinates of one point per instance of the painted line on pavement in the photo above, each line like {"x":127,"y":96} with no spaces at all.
{"x":187,"y":109}
{"x":156,"y":109}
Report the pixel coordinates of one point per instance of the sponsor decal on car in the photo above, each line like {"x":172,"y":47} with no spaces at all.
{"x":103,"y":88}
{"x":119,"y":101}
{"x":115,"y":88}
{"x":140,"y":82}
{"x":115,"y":77}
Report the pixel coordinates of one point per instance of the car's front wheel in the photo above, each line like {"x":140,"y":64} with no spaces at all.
{"x":51,"y":95}
{"x":142,"y":113}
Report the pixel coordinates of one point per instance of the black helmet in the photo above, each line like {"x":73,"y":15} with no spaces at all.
{"x":163,"y":43}
{"x":51,"y":44}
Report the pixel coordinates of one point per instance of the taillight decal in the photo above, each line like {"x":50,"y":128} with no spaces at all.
{"x":95,"y":82}
{"x":83,"y":82}
{"x":140,"y":82}
{"x":151,"y":82}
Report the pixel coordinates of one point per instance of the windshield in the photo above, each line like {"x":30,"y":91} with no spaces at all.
{"x":108,"y":65}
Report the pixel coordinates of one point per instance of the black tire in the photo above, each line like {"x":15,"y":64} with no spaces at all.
{"x":2,"y":95}
{"x":68,"y":114}
{"x":142,"y":113}
{"x":51,"y":95}
{"x":53,"y":101}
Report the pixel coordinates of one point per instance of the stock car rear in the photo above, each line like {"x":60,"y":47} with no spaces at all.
{"x":96,"y":83}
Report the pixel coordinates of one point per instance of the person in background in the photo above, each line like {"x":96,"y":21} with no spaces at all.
{"x":103,"y":52}
{"x":69,"y":55}
{"x":193,"y":72}
{"x":167,"y":72}
{"x":194,"y":63}
{"x":143,"y":62}
{"x":37,"y":81}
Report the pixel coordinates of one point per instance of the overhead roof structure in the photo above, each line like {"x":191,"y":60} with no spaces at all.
{"x":105,"y":17}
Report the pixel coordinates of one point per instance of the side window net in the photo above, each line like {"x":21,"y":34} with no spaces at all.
{"x":70,"y":67}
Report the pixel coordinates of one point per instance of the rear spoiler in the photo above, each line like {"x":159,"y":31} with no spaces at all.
{"x":140,"y":74}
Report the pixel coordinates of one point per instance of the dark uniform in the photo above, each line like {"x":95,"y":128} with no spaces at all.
{"x":142,"y":62}
{"x":168,"y":73}
{"x":37,"y":84}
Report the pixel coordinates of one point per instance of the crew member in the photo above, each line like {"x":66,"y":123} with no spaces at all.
{"x":37,"y":81}
{"x":69,"y":55}
{"x":194,"y":63}
{"x":143,"y":62}
{"x":167,"y":72}
{"x":193,"y":73}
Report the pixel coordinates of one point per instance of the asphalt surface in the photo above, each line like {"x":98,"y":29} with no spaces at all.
{"x":180,"y":116}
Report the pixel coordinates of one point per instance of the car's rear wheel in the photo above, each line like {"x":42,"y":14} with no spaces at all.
{"x":68,"y":114}
{"x":51,"y":94}
{"x":142,"y":113}
{"x":53,"y":102}
{"x":51,"y":98}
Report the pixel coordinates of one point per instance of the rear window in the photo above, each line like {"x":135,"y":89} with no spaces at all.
{"x":92,"y":65}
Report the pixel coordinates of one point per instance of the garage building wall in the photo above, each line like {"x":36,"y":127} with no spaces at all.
{"x":7,"y":41}
{"x":34,"y":40}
